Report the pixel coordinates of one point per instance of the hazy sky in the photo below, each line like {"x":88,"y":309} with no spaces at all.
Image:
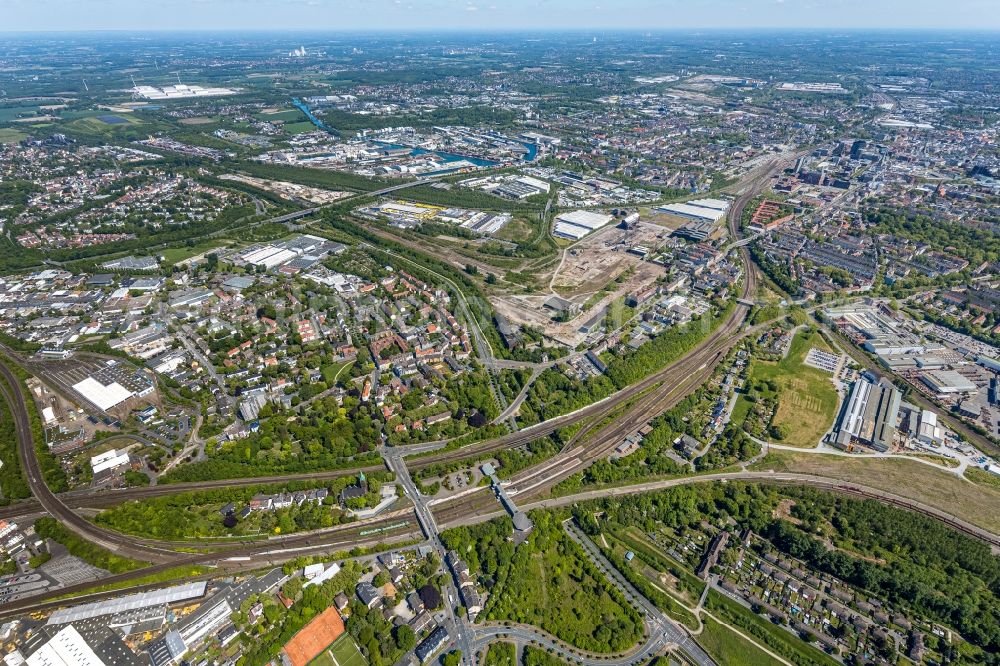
{"x":492,"y":14}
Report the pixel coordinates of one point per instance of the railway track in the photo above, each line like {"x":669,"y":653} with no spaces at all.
{"x":658,"y":392}
{"x":13,"y":393}
{"x":238,"y":559}
{"x":669,"y":386}
{"x":763,"y":477}
{"x":102,"y":499}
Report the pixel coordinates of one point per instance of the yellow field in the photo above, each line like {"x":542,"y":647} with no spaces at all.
{"x":976,"y":503}
{"x":807,"y":399}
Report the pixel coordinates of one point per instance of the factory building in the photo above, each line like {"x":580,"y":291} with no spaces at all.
{"x":711,"y":210}
{"x":130,"y":603}
{"x":579,"y":223}
{"x":988,"y":363}
{"x":869,"y":415}
{"x":68,"y":647}
{"x":947,"y":382}
{"x":929,"y":432}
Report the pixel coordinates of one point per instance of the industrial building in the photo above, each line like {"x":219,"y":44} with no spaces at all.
{"x":988,"y":363}
{"x":874,"y":329}
{"x":190,"y":299}
{"x":305,"y":250}
{"x":114,"y":384}
{"x":109,"y":464}
{"x":947,"y":382}
{"x":869,"y":415}
{"x":129,"y":603}
{"x":69,"y":647}
{"x":929,"y":432}
{"x":180,"y":91}
{"x":711,"y":210}
{"x":209,"y":618}
{"x":579,"y":223}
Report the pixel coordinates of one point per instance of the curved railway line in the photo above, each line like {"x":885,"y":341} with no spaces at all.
{"x":531,"y":487}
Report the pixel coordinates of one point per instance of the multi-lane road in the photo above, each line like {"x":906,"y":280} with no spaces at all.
{"x":631,"y":408}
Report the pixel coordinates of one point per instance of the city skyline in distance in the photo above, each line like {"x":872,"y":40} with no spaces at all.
{"x":493,"y":15}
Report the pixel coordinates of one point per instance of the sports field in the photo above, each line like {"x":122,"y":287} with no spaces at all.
{"x":343,"y":652}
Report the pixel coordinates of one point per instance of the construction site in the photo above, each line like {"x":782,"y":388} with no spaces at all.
{"x":591,"y":276}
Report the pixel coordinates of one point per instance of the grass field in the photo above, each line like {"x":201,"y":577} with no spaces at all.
{"x":729,"y":649}
{"x":9,"y":113}
{"x":982,"y":476}
{"x":944,"y":461}
{"x":11,"y":135}
{"x":173,"y":255}
{"x":300,"y":127}
{"x":343,"y":652}
{"x":977,"y":503}
{"x":655,"y":585}
{"x":333,"y":371}
{"x":289,"y":116}
{"x":740,"y":410}
{"x":676,"y":577}
{"x":97,"y":126}
{"x":807,"y":399}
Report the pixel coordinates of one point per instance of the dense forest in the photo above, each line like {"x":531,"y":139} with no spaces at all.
{"x":904,"y":558}
{"x":547,"y":581}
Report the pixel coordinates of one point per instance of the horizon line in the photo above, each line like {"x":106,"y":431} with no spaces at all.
{"x":510,"y":30}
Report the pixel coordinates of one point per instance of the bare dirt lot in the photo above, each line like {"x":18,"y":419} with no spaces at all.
{"x":588,"y":270}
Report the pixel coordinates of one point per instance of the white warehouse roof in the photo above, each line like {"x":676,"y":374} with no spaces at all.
{"x":716,"y":204}
{"x":165,"y":596}
{"x":253,"y":256}
{"x":947,"y":381}
{"x":697,"y":212}
{"x":104,"y":397}
{"x":535,"y":183}
{"x":66,"y":648}
{"x":278,"y":258}
{"x":570,"y":231}
{"x":585,"y":218}
{"x":108,"y":460}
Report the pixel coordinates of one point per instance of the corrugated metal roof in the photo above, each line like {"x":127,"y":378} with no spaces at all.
{"x":169,"y":595}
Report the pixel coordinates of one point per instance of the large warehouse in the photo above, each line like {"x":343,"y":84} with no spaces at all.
{"x":947,"y":382}
{"x":711,"y":210}
{"x":869,"y":415}
{"x":579,"y":223}
{"x":114,"y":384}
{"x":104,"y":397}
